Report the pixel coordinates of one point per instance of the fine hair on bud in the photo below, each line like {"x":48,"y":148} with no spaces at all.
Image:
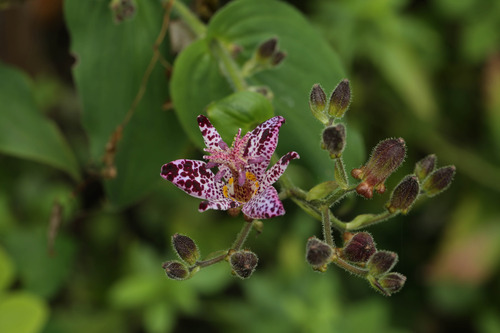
{"x":243,"y":263}
{"x":392,"y":282}
{"x":176,"y":270}
{"x":340,"y":99}
{"x":425,"y":166}
{"x":404,"y":195}
{"x":386,"y":157}
{"x":186,"y":248}
{"x":318,"y":253}
{"x":381,"y":262}
{"x":439,"y":180}
{"x":359,"y":248}
{"x":334,"y":140}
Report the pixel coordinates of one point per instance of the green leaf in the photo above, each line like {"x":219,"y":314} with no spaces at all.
{"x":111,"y":61}
{"x":321,"y":190}
{"x":22,"y":313}
{"x":40,"y":272}
{"x":24,"y":131}
{"x":6,"y":269}
{"x":244,"y":109}
{"x":309,"y":60}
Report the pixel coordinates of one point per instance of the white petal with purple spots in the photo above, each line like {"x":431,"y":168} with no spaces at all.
{"x":194,"y":178}
{"x":222,"y":204}
{"x":277,"y":170}
{"x":210,"y":135}
{"x":264,"y":205}
{"x":262,"y":143}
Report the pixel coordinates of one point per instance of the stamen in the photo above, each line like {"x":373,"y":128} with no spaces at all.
{"x":219,"y":175}
{"x":242,"y":177}
{"x":211,"y":165}
{"x":222,"y":145}
{"x":255,"y":160}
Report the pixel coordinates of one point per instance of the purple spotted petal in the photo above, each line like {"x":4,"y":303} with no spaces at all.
{"x":262,"y":143}
{"x":210,"y":135}
{"x":222,"y":204}
{"x":194,"y":178}
{"x":277,"y":170}
{"x":264,"y":205}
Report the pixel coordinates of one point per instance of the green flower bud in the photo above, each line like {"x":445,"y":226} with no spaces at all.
{"x":381,"y":262}
{"x":439,"y":180}
{"x":267,"y":49}
{"x":317,"y":103}
{"x":386,"y":157}
{"x":340,"y":99}
{"x":404,"y":195}
{"x":243,"y":263}
{"x":359,"y":248}
{"x":176,"y":270}
{"x":334,"y":140}
{"x":425,"y":166}
{"x":186,"y":248}
{"x":392,"y":282}
{"x":318,"y":253}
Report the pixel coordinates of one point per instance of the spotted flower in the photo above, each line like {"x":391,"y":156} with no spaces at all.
{"x":242,"y":178}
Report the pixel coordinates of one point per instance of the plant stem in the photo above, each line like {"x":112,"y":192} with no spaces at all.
{"x":190,"y":19}
{"x":228,"y":66}
{"x":327,"y":227}
{"x":212,"y":261}
{"x":350,"y":268}
{"x":340,"y":173}
{"x":363,"y":221}
{"x":242,"y":236}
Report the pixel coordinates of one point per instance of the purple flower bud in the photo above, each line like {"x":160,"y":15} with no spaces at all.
{"x":381,"y":262}
{"x":267,"y":48}
{"x":404,"y":195}
{"x":425,"y":166}
{"x":392,"y":282}
{"x":386,"y":157}
{"x":334,"y":140}
{"x":340,"y":99}
{"x":318,"y":253}
{"x":359,"y":248}
{"x":243,"y":263}
{"x":277,"y":58}
{"x":186,"y":248}
{"x":439,"y":180}
{"x":176,"y":270}
{"x":317,"y":103}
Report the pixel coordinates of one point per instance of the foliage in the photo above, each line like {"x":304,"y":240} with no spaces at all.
{"x":86,"y":220}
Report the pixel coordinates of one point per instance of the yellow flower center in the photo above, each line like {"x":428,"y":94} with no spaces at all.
{"x":243,"y":193}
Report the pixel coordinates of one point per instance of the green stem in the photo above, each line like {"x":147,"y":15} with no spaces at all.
{"x":365,"y":220}
{"x":209,"y":262}
{"x":190,"y":19}
{"x":228,"y":66}
{"x":327,"y":227}
{"x":340,"y":174}
{"x":242,"y":236}
{"x":350,"y":268}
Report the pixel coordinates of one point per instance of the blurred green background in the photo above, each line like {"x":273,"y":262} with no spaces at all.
{"x":81,"y":253}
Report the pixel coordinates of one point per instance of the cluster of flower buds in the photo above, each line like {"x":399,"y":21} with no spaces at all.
{"x":360,"y":250}
{"x":434,"y":181}
{"x":334,"y":136}
{"x":266,"y":56}
{"x":188,"y":252}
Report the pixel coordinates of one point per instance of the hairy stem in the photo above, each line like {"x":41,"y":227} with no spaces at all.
{"x":327,"y":227}
{"x":242,"y":236}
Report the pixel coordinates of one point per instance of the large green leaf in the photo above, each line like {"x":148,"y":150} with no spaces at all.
{"x":22,"y":313}
{"x":24,"y":131}
{"x":197,"y":80}
{"x":111,"y":61}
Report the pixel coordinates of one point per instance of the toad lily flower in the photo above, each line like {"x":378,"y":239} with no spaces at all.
{"x":242,"y":179}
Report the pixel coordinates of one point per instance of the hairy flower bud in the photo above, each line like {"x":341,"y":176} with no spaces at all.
{"x":439,"y":180}
{"x":186,"y":248}
{"x":381,"y":262}
{"x":340,"y":99}
{"x":425,"y":166}
{"x":392,"y":282}
{"x":267,"y":48}
{"x":334,"y":140}
{"x":404,"y":195}
{"x":318,"y":253}
{"x":317,"y":103}
{"x":277,"y":58}
{"x":386,"y":157}
{"x":243,"y":263}
{"x":176,"y":270}
{"x":359,"y":248}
